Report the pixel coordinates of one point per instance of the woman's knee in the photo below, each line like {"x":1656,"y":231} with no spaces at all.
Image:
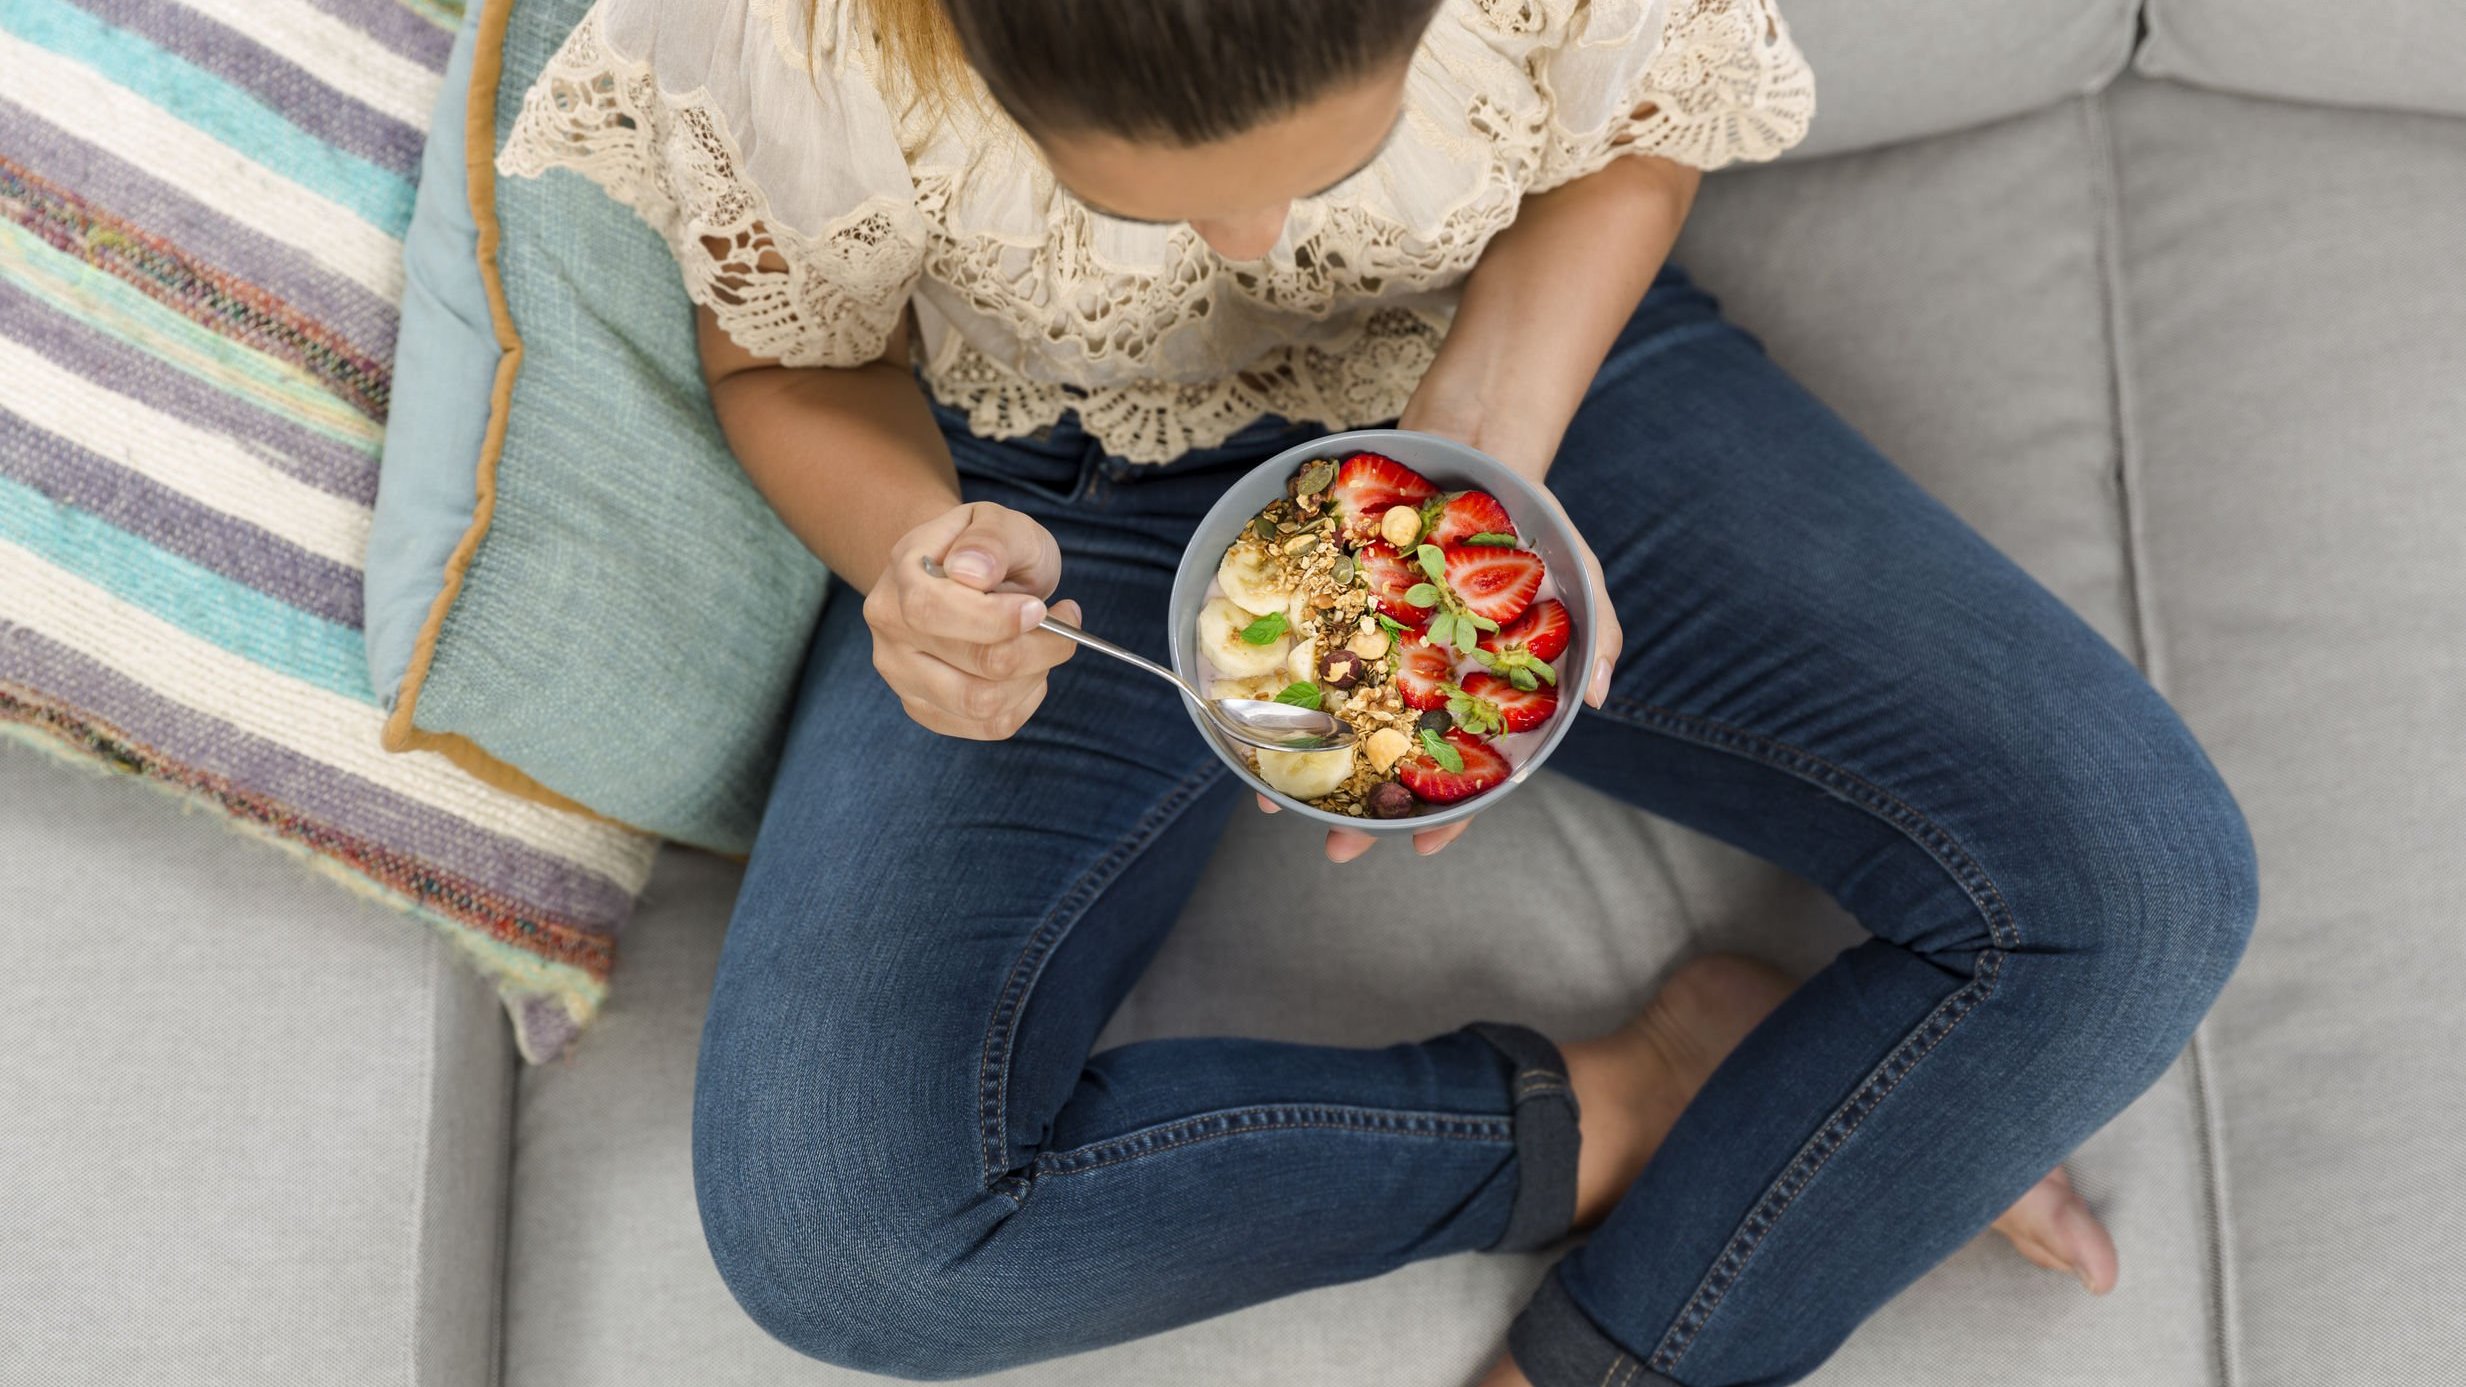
{"x":2141,"y":894}
{"x":860,"y":1274}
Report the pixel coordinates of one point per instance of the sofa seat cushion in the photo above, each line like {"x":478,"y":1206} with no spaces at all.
{"x":255,"y":1128}
{"x":2298,"y":319}
{"x":1947,"y":297}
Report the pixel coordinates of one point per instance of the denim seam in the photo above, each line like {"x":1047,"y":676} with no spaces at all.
{"x":1272,"y":1118}
{"x":1818,"y":1151}
{"x":1957,"y":863}
{"x":1930,"y":836}
{"x":1002,"y":1027}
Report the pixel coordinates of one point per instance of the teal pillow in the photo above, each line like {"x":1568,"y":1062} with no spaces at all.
{"x":580,"y":597}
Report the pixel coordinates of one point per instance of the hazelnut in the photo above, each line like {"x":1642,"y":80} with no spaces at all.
{"x":1370,"y":644}
{"x":1389,"y":800}
{"x":1385,"y":748}
{"x":1341,"y":669}
{"x":1401,"y":526}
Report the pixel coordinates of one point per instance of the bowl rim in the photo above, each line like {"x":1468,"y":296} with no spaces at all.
{"x":1523,"y":498}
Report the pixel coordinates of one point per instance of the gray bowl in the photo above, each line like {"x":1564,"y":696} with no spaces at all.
{"x":1454,"y":467}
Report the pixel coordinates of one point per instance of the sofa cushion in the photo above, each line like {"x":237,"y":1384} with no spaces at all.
{"x":567,"y":564}
{"x":256,"y":1129}
{"x":2397,"y":54}
{"x":2298,"y":316}
{"x":1893,"y":70}
{"x":1975,"y":259}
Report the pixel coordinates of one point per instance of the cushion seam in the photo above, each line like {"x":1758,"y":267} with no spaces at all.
{"x":2130,"y":461}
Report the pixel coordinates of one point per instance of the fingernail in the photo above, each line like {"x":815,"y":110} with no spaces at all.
{"x":1600,"y":689}
{"x":1031,"y":612}
{"x":970,"y":566}
{"x":2086,"y":1284}
{"x":1426,"y":849}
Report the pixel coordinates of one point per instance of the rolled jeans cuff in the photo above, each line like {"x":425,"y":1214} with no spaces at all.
{"x":1546,"y":1138}
{"x":1556,"y":1344}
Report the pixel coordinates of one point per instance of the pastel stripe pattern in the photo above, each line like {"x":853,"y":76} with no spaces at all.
{"x":201,"y":211}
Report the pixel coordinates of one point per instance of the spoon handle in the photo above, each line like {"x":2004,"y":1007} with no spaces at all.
{"x":1106,"y":647}
{"x":1095,"y":643}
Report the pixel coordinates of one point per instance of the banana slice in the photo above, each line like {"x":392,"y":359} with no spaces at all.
{"x":1306,"y":774}
{"x":1244,"y":577}
{"x":1220,"y":640}
{"x":1304,"y":663}
{"x":1247,"y":688}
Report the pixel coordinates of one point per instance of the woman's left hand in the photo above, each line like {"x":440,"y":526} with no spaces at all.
{"x":1528,"y":450}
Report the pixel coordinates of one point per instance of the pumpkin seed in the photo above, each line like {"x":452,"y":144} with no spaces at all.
{"x":1263,"y":527}
{"x":1344,"y":570}
{"x":1316,"y":477}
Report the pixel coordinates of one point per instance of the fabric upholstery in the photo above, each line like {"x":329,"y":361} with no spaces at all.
{"x":199,"y":267}
{"x":616,"y":581}
{"x":1894,"y":70}
{"x":2299,"y":428}
{"x":1280,"y":944}
{"x":256,"y":1129}
{"x":2391,"y":54}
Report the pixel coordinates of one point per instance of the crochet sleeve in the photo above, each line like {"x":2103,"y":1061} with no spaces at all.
{"x":1702,"y":82}
{"x":766,"y":161}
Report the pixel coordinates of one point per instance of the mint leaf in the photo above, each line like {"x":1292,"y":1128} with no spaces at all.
{"x":1420,"y":595}
{"x":1302,"y":695}
{"x":1433,"y":562}
{"x":1393,"y":626}
{"x":1266,"y":628}
{"x":1492,"y":539}
{"x":1436,"y":748}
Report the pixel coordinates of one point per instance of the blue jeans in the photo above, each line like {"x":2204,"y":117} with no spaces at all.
{"x":909,"y":1162}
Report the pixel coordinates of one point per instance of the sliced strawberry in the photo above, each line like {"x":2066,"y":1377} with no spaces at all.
{"x":1368,"y":486}
{"x":1494,"y":583}
{"x":1422,"y":673}
{"x":1484,"y":768}
{"x":1520,"y":709}
{"x":1466,"y":514}
{"x":1543,"y":631}
{"x":1391,"y":576}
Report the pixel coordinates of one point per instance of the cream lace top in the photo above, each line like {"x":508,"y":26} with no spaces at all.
{"x":809,"y":211}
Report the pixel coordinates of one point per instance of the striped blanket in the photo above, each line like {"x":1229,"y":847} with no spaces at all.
{"x":201,"y":211}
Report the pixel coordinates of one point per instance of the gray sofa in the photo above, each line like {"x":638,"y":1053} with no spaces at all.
{"x":2197,"y":359}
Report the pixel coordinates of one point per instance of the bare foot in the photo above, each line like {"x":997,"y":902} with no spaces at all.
{"x":2053,"y":1227}
{"x":1634,"y":1082}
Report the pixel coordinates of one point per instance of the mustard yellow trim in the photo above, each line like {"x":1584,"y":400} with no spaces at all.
{"x":480,"y":168}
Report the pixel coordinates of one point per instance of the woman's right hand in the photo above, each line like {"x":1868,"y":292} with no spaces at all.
{"x":962,"y":651}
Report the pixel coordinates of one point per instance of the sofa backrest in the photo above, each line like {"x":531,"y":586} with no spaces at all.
{"x":1892,"y":70}
{"x":2401,"y":54}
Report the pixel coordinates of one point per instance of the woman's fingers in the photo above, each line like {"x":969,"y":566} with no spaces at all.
{"x":1609,"y":637}
{"x":1344,"y":844}
{"x":1431,"y":840}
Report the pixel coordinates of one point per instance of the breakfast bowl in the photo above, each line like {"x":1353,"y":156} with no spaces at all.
{"x":1408,"y":582}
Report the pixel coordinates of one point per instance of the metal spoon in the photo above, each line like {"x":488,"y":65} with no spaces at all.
{"x":1258,"y":722}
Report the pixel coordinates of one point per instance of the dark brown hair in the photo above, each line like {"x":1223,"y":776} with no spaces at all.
{"x":1179,"y":71}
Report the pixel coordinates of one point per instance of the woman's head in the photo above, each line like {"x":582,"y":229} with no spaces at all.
{"x":1213,"y":112}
